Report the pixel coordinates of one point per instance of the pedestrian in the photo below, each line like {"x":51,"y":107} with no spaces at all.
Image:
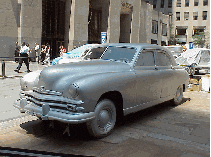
{"x":43,"y":54}
{"x":47,"y":60}
{"x":17,"y":51}
{"x":62,"y":50}
{"x":36,"y":48}
{"x":24,"y":52}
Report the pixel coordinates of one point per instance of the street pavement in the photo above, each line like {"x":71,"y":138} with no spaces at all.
{"x":163,"y":130}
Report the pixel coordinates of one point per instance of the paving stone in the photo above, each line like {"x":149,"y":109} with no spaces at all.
{"x":134,"y":148}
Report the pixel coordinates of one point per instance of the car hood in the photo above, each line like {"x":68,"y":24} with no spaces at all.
{"x":70,"y":60}
{"x":63,"y":74}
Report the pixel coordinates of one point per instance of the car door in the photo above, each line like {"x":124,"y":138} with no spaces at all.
{"x":149,"y":82}
{"x":167,"y":72}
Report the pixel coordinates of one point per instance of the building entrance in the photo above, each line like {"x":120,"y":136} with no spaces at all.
{"x":53,"y":24}
{"x":94,"y":26}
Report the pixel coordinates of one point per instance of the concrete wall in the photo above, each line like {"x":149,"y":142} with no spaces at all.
{"x":9,"y":27}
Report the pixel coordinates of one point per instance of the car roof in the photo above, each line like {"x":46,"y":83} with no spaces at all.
{"x":140,"y":45}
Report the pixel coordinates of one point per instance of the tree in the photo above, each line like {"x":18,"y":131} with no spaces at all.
{"x":199,"y":39}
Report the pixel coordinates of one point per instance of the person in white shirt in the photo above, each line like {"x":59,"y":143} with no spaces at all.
{"x":24,"y":52}
{"x":37,"y":47}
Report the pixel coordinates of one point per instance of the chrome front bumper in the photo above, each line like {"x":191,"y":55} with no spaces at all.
{"x":47,"y":113}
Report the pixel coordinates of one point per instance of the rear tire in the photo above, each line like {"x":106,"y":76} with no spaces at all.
{"x":104,"y":121}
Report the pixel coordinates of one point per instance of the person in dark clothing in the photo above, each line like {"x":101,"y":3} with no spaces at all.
{"x":17,"y":50}
{"x":24,"y":53}
{"x":43,"y":54}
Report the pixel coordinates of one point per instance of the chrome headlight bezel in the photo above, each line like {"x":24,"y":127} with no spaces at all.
{"x":73,"y":90}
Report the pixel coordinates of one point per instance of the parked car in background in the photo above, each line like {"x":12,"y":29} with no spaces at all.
{"x":195,"y":60}
{"x":175,"y":50}
{"x":88,"y":51}
{"x":127,"y":78}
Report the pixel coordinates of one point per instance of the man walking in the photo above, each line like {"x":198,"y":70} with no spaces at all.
{"x":24,"y":52}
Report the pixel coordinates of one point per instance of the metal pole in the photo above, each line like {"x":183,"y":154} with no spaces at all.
{"x":3,"y":68}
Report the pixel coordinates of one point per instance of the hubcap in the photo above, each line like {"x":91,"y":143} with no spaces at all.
{"x":104,"y":118}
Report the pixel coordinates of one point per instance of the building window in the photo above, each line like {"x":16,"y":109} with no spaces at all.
{"x":205,"y":2}
{"x":154,"y":3}
{"x":154,"y":27}
{"x":196,"y":2}
{"x":204,"y":15}
{"x":198,"y":31}
{"x":164,"y":29}
{"x":186,"y":16}
{"x":153,"y":41}
{"x":162,"y":4}
{"x":169,"y":3}
{"x":195,"y":15}
{"x":177,"y":16}
{"x":178,"y":3}
{"x":181,"y":31}
{"x":186,"y":3}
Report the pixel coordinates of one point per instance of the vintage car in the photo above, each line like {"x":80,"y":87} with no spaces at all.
{"x":127,"y":78}
{"x":87,"y":51}
{"x":195,"y":61}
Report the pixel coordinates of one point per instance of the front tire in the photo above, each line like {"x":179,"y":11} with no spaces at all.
{"x":105,"y":119}
{"x":178,"y":96}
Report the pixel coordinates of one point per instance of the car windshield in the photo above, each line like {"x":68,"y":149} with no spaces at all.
{"x":78,"y":52}
{"x":124,"y":54}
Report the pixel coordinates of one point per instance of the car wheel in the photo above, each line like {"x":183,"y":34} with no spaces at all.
{"x":178,"y":96}
{"x":105,"y":119}
{"x":192,"y":71}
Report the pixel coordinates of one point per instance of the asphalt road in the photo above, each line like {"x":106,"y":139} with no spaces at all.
{"x":163,"y":130}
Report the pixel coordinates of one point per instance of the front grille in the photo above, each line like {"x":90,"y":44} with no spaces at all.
{"x":40,"y":96}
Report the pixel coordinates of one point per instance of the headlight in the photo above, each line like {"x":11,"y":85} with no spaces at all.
{"x":29,"y":80}
{"x":73,"y":90}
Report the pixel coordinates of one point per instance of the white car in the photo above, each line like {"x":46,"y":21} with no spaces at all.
{"x":194,"y":60}
{"x":85,"y":52}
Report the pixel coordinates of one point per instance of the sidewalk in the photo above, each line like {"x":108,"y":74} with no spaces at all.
{"x":10,"y":66}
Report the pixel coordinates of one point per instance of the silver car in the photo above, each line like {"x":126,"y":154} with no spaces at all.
{"x":127,"y":78}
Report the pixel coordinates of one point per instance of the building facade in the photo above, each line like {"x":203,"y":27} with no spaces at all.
{"x":190,"y":17}
{"x":77,"y":22}
{"x":187,"y":18}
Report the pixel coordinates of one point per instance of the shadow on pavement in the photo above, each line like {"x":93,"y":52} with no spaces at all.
{"x":78,"y":132}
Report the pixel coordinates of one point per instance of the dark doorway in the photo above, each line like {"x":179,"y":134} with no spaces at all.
{"x":94,"y":26}
{"x":53,"y":24}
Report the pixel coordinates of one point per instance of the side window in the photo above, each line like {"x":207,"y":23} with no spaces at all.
{"x":163,"y":59}
{"x":146,"y":58}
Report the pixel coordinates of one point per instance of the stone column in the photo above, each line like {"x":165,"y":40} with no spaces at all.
{"x":134,"y":36}
{"x":67,"y":24}
{"x":31,"y":22}
{"x":159,"y":36}
{"x":149,"y":9}
{"x":143,"y":20}
{"x":78,"y":33}
{"x":114,"y":21}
